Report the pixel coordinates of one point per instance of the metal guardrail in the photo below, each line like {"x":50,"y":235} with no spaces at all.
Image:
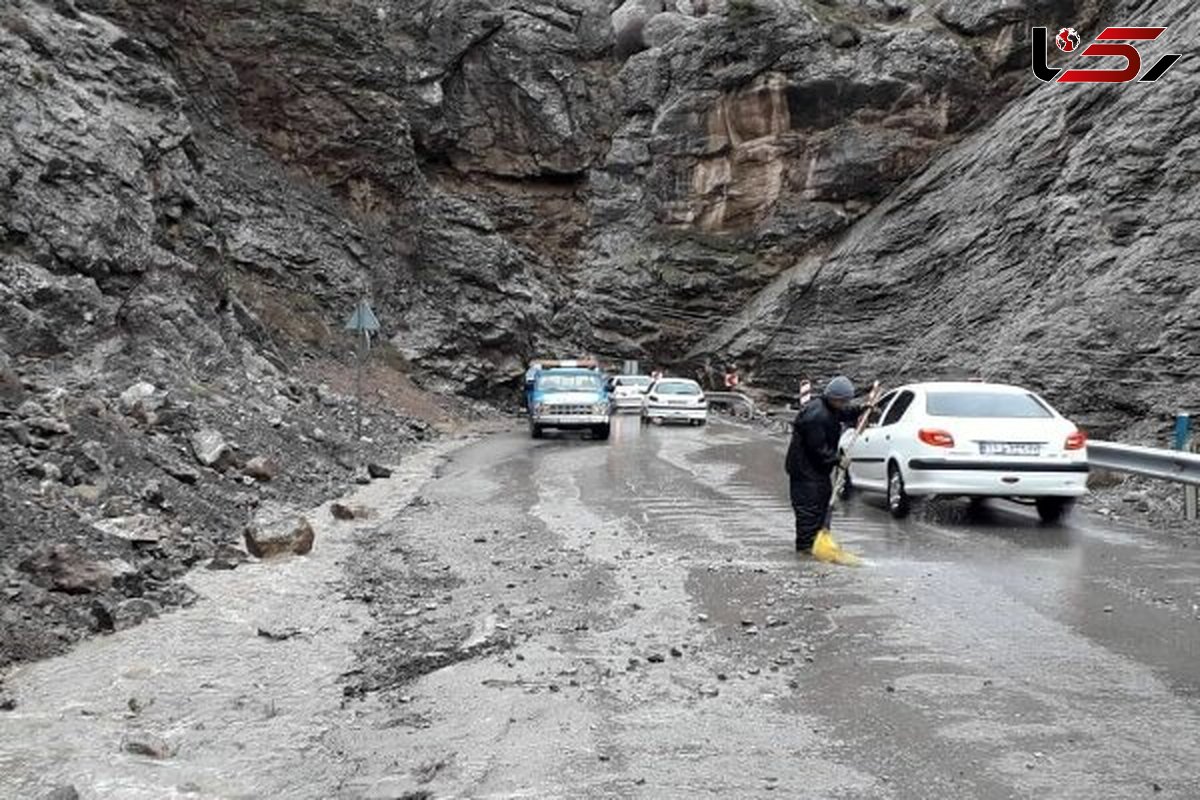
{"x":732,"y":398}
{"x":1153,"y":462}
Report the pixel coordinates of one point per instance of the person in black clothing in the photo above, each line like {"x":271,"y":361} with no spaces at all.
{"x":812,"y":455}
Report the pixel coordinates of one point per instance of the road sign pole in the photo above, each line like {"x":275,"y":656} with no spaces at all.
{"x":1182,"y":441}
{"x":364,"y":321}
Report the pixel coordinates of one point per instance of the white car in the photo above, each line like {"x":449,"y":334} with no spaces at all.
{"x":675,"y":399}
{"x":969,"y":439}
{"x":628,"y":391}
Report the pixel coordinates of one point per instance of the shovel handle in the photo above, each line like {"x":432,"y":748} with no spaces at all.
{"x":843,"y":465}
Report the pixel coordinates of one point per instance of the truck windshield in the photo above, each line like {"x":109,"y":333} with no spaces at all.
{"x":577,"y":382}
{"x":984,"y":404}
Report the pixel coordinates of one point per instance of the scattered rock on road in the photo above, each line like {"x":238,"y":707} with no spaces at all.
{"x":278,"y":634}
{"x":61,"y":793}
{"x":378,"y":471}
{"x":289,"y":535}
{"x":227,"y":557}
{"x":133,"y":611}
{"x":147,"y":744}
{"x":341,"y":511}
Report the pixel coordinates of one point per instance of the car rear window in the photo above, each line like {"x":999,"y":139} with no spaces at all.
{"x":984,"y":404}
{"x":677,"y":388}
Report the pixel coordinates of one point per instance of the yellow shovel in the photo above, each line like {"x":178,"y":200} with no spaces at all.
{"x":825,"y":547}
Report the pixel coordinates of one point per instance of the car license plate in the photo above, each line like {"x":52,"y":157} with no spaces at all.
{"x":676,"y":402}
{"x":1010,"y":448}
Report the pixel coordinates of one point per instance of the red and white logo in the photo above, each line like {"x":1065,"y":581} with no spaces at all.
{"x":1067,"y":40}
{"x":1112,"y":42}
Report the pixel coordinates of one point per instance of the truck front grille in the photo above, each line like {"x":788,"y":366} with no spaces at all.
{"x":562,"y":409}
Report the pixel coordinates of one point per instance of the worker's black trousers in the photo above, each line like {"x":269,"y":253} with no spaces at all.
{"x":810,"y":502}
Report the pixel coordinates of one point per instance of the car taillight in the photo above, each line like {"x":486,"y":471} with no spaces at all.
{"x":700,"y":399}
{"x":653,"y":398}
{"x":935,"y":437}
{"x":1076,"y":441}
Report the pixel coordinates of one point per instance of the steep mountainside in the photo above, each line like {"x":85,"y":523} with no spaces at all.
{"x":508,"y":178}
{"x":1056,"y":246}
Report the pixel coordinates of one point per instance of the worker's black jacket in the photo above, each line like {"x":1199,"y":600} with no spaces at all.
{"x":813,"y":452}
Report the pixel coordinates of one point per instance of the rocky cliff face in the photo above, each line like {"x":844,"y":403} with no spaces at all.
{"x":1053,"y":246}
{"x":503,"y":178}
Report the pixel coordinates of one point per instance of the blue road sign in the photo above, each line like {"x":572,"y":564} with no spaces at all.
{"x":363,"y":319}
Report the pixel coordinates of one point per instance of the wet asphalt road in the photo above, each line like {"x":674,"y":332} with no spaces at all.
{"x":978,"y":654}
{"x":628,"y":619}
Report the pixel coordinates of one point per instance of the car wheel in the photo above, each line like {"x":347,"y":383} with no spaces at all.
{"x":899,"y":503}
{"x":702,"y":422}
{"x":535,"y":430}
{"x":847,"y":485}
{"x":1053,"y":509}
{"x":601,"y":432}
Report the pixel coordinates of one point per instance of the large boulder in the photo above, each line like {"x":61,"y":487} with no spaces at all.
{"x":280,"y":537}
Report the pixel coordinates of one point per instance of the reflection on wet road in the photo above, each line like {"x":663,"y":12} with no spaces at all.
{"x":661,"y":640}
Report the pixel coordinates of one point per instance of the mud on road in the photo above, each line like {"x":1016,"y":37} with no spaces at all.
{"x":628,"y":620}
{"x":567,"y":618}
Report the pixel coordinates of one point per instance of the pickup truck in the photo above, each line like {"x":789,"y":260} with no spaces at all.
{"x":570,"y":398}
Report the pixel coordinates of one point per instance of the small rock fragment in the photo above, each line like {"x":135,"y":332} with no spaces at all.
{"x":61,"y":793}
{"x":227,"y":557}
{"x":210,"y":448}
{"x":147,"y":744}
{"x":260,"y":468}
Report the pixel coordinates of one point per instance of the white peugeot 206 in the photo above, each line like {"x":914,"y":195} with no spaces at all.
{"x":970,"y":440}
{"x":675,"y":399}
{"x":629,"y":391}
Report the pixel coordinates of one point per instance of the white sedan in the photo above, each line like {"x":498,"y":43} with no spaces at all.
{"x":675,"y":399}
{"x":629,"y":391}
{"x":969,"y":439}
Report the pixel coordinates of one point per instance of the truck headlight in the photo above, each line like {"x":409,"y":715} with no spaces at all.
{"x":539,"y":408}
{"x":600,"y":408}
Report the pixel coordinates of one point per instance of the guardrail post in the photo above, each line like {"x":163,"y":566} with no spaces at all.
{"x":1183,"y":435}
